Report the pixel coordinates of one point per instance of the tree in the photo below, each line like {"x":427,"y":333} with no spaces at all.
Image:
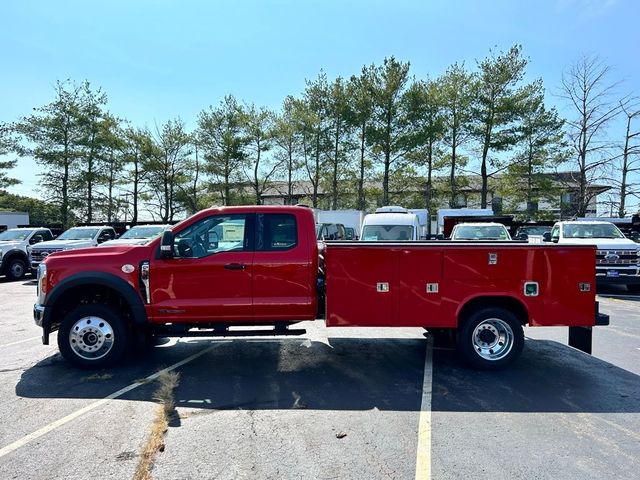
{"x":390,"y":127}
{"x":258,"y":130}
{"x":588,"y":92}
{"x":54,"y":135}
{"x":316,"y":144}
{"x":287,"y":138}
{"x":496,"y":107}
{"x":360,"y":109}
{"x":542,"y":150}
{"x":220,"y":136}
{"x":456,"y":86}
{"x":95,"y":125}
{"x":7,"y":145}
{"x":138,"y":153}
{"x":113,"y":163}
{"x":629,"y":158}
{"x":426,"y":115}
{"x":167,"y":167}
{"x":337,"y":112}
{"x":192,"y":194}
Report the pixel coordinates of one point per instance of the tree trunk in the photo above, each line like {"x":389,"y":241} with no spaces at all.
{"x":452,"y":176}
{"x":625,"y":169}
{"x":290,"y":174}
{"x":429,"y":190}
{"x":334,"y":182}
{"x":361,"y":199}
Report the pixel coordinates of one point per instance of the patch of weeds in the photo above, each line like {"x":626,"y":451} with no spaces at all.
{"x":166,"y":411}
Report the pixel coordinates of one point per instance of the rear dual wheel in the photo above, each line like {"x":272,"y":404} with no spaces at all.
{"x":491,"y":338}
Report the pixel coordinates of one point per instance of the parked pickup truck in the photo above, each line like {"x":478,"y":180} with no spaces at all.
{"x":72,"y":239}
{"x":617,"y":257}
{"x":260,"y":266}
{"x":14,"y":259}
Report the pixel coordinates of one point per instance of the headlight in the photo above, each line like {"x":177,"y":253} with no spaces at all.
{"x":42,"y":283}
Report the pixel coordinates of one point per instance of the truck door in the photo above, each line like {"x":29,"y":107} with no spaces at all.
{"x":209,"y":277}
{"x":282,"y":286}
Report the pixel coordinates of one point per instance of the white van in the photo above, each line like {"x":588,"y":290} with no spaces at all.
{"x":391,"y":224}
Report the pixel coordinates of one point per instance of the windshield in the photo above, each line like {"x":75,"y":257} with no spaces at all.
{"x":387,"y":232}
{"x":79,"y":234}
{"x":14,"y":235}
{"x":143,"y":232}
{"x":480,"y":232}
{"x":592,"y":230}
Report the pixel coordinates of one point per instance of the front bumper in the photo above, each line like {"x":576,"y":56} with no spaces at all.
{"x":38,"y":317}
{"x":38,"y":314}
{"x":619,"y":280}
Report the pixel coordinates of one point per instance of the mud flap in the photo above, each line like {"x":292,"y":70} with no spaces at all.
{"x":581,"y":338}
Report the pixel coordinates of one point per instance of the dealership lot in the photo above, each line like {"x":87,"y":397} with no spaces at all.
{"x":279,"y":408}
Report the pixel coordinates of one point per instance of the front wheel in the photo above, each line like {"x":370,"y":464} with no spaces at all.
{"x":93,"y":336}
{"x":16,"y":269}
{"x":491,"y":338}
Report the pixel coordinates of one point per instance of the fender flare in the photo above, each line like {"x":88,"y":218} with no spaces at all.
{"x":95,"y":278}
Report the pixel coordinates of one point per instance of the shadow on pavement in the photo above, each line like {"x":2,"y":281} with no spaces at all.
{"x":352,"y":374}
{"x":549,"y":377}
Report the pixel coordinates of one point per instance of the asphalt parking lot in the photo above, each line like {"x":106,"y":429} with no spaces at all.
{"x":343,"y":403}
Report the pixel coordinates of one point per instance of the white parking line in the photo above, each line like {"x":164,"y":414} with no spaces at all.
{"x":20,"y":341}
{"x":72,"y":416}
{"x":423,"y":456}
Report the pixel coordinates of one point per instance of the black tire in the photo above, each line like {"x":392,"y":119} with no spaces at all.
{"x":16,"y":269}
{"x":490,"y":339}
{"x":100,"y":340}
{"x":634,"y":289}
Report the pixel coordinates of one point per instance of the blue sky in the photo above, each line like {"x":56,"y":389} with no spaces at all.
{"x":161,"y":59}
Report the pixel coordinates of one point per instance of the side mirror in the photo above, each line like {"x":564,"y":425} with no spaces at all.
{"x":546,"y":237}
{"x":166,"y":245}
{"x":522,"y":236}
{"x":103,"y":238}
{"x":36,"y":239}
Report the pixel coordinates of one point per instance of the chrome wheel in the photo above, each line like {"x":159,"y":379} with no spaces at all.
{"x":91,"y":338}
{"x":493,"y":339}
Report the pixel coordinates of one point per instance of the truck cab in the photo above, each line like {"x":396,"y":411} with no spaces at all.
{"x":391,"y":224}
{"x":617,"y":257}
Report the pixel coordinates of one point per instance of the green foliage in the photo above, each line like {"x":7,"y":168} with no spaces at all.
{"x":40,"y":212}
{"x":223,"y":145}
{"x":457,"y":87}
{"x":7,"y":145}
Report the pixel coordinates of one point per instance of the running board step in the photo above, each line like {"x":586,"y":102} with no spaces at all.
{"x":280,"y":332}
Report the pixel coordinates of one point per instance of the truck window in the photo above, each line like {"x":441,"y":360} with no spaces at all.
{"x":46,"y":235}
{"x":387,"y":232}
{"x":276,"y":232}
{"x":215,"y":234}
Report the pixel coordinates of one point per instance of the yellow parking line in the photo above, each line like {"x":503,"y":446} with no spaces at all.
{"x":423,"y":457}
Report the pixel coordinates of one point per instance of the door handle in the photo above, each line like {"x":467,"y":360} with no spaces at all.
{"x":235,"y":266}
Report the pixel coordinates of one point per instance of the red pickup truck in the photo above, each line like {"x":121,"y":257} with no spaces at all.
{"x":262,"y":266}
